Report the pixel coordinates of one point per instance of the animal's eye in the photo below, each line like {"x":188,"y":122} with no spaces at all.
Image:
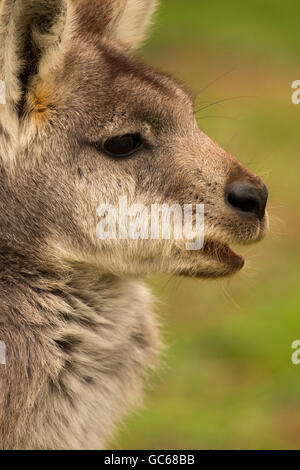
{"x":123,"y":146}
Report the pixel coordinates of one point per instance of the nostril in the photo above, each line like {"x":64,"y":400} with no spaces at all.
{"x":247,"y":199}
{"x":245,"y":204}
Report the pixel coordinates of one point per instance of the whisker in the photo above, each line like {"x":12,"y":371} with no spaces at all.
{"x":229,"y":296}
{"x":219,"y":117}
{"x":221,"y":101}
{"x":224,"y":74}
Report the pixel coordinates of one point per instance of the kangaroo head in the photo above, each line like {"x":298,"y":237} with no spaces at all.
{"x":84,"y":123}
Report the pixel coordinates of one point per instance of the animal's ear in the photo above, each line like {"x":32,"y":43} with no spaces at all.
{"x":31,"y":34}
{"x":126,"y":21}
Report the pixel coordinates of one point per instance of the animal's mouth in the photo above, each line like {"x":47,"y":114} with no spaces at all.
{"x":223,"y":253}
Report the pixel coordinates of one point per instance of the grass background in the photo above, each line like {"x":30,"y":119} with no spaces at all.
{"x":228,"y":381}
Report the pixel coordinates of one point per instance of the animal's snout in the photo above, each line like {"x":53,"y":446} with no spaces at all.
{"x":246,"y":198}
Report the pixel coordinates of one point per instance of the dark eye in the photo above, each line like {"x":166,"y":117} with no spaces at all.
{"x":123,"y":146}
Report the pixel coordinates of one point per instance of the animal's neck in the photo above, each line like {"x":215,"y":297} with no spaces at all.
{"x":77,"y":294}
{"x":78,"y":344}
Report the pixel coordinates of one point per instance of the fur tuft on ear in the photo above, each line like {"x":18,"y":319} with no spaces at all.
{"x":126,"y":21}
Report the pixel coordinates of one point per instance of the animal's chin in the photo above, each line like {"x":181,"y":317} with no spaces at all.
{"x":223,"y":254}
{"x":219,"y":258}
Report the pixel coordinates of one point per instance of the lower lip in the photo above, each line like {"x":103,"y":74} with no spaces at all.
{"x":224,"y":253}
{"x":234,"y":255}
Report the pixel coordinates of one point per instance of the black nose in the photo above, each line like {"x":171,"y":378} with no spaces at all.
{"x":248,"y":199}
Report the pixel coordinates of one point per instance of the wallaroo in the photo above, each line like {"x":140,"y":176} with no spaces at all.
{"x":84,"y":122}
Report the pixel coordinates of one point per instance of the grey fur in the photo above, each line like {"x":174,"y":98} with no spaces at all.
{"x":79,"y":332}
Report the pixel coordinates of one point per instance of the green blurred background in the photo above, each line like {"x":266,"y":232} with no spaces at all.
{"x":227,"y":380}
